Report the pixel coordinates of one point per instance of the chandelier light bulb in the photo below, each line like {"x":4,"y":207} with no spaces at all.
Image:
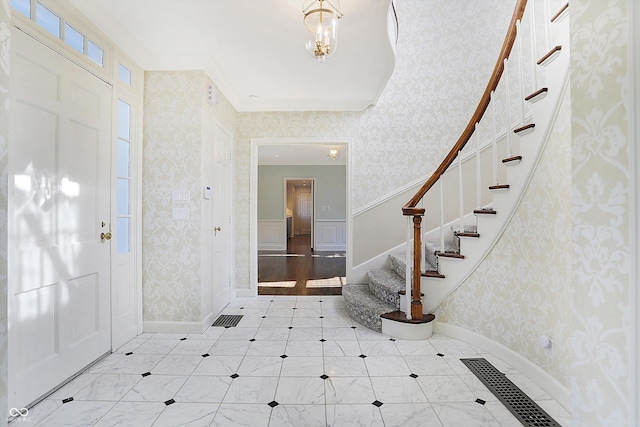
{"x":321,"y":18}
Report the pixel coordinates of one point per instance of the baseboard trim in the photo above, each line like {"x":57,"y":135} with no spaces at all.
{"x":173,"y":327}
{"x":330,"y":248}
{"x":243,"y":293}
{"x":538,"y":375}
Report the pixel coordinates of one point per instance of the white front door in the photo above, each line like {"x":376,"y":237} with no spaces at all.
{"x":59,"y":190}
{"x":221,"y":192}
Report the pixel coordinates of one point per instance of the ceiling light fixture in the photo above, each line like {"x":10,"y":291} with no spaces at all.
{"x":333,"y":153}
{"x":321,"y":18}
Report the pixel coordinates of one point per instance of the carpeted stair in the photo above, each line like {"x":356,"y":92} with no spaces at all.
{"x":367,"y":302}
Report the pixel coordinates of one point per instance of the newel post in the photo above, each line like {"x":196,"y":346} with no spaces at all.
{"x":416,"y":303}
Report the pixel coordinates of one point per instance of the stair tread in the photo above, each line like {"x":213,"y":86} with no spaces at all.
{"x":400,"y":316}
{"x":384,"y":284}
{"x":450,"y":255}
{"x":398,"y":264}
{"x":364,"y":307}
{"x":433,"y":273}
{"x":524,"y":128}
{"x":484,"y":211}
{"x":542,"y":91}
{"x":512,"y":159}
{"x":360,"y":294}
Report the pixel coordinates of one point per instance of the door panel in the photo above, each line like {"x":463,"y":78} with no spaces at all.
{"x":59,"y":191}
{"x":304,"y":209}
{"x":221,"y":193}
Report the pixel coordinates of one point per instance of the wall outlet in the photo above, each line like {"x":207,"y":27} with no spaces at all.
{"x":547,"y":344}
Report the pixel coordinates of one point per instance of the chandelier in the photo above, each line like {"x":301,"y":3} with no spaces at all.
{"x":321,"y":18}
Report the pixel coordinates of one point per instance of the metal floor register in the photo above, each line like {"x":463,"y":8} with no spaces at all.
{"x":514,"y":399}
{"x":228,"y":320}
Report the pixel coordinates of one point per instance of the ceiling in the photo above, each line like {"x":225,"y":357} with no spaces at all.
{"x":254,"y":49}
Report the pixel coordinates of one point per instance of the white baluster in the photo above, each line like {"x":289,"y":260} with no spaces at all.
{"x":441,"y":216}
{"x":547,"y":27}
{"x":407,"y":267}
{"x":520,"y":69}
{"x":478,"y":174}
{"x":508,"y":104}
{"x":494,"y":143}
{"x":534,"y":59}
{"x":461,"y":194}
{"x":423,"y":258}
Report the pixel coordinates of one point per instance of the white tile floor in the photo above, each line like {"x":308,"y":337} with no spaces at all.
{"x":291,"y":361}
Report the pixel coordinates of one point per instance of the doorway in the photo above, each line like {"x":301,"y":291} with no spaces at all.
{"x":300,"y":218}
{"x":299,"y":208}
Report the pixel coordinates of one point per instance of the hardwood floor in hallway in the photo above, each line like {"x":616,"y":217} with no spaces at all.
{"x":298,"y":271}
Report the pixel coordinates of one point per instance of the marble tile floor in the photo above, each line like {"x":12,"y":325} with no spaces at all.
{"x":291,"y":361}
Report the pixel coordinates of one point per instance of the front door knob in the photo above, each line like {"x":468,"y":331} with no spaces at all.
{"x":105,"y":236}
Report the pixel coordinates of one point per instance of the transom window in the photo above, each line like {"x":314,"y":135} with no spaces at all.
{"x":57,"y":27}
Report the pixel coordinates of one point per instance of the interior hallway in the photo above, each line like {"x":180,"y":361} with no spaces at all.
{"x":291,"y":361}
{"x":299,"y":271}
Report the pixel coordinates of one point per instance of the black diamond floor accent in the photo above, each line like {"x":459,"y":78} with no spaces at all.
{"x":324,"y":377}
{"x":321,"y":317}
{"x":273,"y":403}
{"x":234,"y":376}
{"x":206,"y":355}
{"x":252,"y":340}
{"x":514,"y":399}
{"x":284,"y":356}
{"x":440,"y":354}
{"x":290,"y":327}
{"x":377,"y":403}
{"x":228,"y":320}
{"x":67,"y":400}
{"x":363,"y":356}
{"x":264,"y":317}
{"x":480,"y":401}
{"x":322,"y":340}
{"x":169,"y":402}
{"x":353,"y":327}
{"x":146,"y":374}
{"x":128,"y":354}
{"x":183,"y":339}
{"x":413,"y":376}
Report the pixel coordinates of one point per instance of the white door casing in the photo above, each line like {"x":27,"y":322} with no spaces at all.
{"x":221,"y":197}
{"x":59,"y":196}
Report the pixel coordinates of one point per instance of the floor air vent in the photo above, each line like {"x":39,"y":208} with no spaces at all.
{"x":227,"y":320}
{"x":514,"y":399}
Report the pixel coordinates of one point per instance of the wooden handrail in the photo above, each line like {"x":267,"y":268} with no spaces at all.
{"x":477,"y":115}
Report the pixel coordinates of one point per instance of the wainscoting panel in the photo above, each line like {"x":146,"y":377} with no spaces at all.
{"x":271,"y":235}
{"x":330,"y":235}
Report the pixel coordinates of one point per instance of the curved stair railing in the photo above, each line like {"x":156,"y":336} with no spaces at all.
{"x":416,"y":262}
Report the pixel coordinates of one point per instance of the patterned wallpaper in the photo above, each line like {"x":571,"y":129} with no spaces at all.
{"x":177,"y":119}
{"x":423,"y":109}
{"x":5,"y":18}
{"x":573,"y":283}
{"x":523,"y":288}
{"x":602,"y":213}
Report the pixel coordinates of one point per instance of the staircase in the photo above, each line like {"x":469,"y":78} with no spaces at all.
{"x":448,"y":254}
